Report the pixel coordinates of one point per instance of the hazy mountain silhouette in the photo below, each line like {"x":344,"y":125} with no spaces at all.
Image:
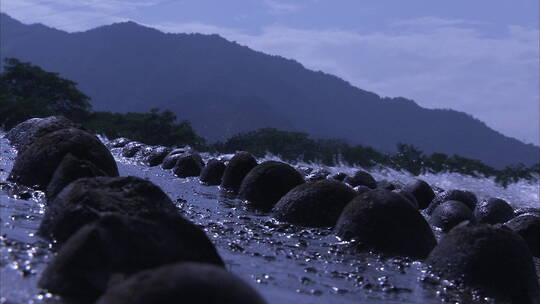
{"x":224,"y":88}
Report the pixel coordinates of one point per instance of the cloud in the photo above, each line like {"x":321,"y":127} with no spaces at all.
{"x":281,"y":7}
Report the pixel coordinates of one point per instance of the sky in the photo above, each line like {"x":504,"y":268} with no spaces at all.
{"x":477,"y":56}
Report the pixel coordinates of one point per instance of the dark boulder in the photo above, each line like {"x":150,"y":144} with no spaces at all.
{"x":212,"y":173}
{"x":361,"y":178}
{"x":170,"y":160}
{"x":386,"y":185}
{"x":493,"y":211}
{"x":317,"y":175}
{"x":36,"y":165}
{"x":385,"y":221}
{"x":24,"y":134}
{"x":494,"y":260}
{"x":188,"y":164}
{"x":266,"y":183}
{"x":119,"y":142}
{"x":131,"y":149}
{"x":422,"y":191}
{"x":316,"y":204}
{"x":117,"y":245}
{"x":190,"y":283}
{"x":529,"y":210}
{"x":528,"y":226}
{"x":69,"y":170}
{"x":237,"y":168}
{"x":409,"y":197}
{"x":82,"y":201}
{"x":338,"y":176}
{"x":466,"y":197}
{"x":449,"y":214}
{"x":156,"y":155}
{"x":362,"y":189}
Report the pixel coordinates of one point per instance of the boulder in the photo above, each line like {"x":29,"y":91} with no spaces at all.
{"x":82,"y":201}
{"x":69,"y":170}
{"x":316,"y":204}
{"x":409,"y":197}
{"x":384,"y":184}
{"x":170,"y":160}
{"x":119,"y":142}
{"x":493,"y":211}
{"x":338,"y":176}
{"x":190,"y":283}
{"x":528,"y":226}
{"x":131,"y":149}
{"x":36,"y":165}
{"x":361,"y":178}
{"x":317,"y":175}
{"x":362,"y":189}
{"x":449,"y":214}
{"x":24,"y":134}
{"x":385,"y":221}
{"x":422,"y":191}
{"x":266,"y":183}
{"x":466,"y":197}
{"x":237,"y":168}
{"x":188,"y":164}
{"x":212,"y":173}
{"x":156,"y":156}
{"x":492,"y":259}
{"x":117,"y":245}
{"x":529,"y":210}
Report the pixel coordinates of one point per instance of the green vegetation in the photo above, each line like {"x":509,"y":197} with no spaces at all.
{"x":27,"y":91}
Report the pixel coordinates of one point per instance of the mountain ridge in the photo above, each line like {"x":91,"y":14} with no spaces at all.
{"x":224,"y":88}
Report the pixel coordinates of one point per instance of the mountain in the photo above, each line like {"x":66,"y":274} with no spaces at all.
{"x":224,"y":88}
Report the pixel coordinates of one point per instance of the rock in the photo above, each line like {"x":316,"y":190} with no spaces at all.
{"x":119,"y":142}
{"x":449,"y":214}
{"x":266,"y":183}
{"x":120,"y":245}
{"x":493,"y":211}
{"x":316,"y":204}
{"x":190,"y":283}
{"x":188,"y":164}
{"x":361,"y":178}
{"x":528,"y":226}
{"x":237,"y":168}
{"x":532,"y":211}
{"x":338,"y":176}
{"x":24,"y":134}
{"x":69,"y":170}
{"x":494,"y":260}
{"x":385,"y":221}
{"x":82,"y":201}
{"x":317,"y":175}
{"x":304,"y":170}
{"x":362,"y":189}
{"x":212,"y":173}
{"x":36,"y":165}
{"x":422,"y":191}
{"x":409,"y":197}
{"x":156,"y":156}
{"x":131,"y":149}
{"x":170,"y":160}
{"x":386,"y":185}
{"x":466,"y":197}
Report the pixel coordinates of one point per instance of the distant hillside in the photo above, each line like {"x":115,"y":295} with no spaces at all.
{"x":224,"y":88}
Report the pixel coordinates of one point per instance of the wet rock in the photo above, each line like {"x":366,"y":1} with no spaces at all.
{"x":409,"y":197}
{"x":82,"y":202}
{"x":69,"y":170}
{"x":385,"y":221}
{"x":156,"y":156}
{"x":212,"y":173}
{"x":266,"y":183}
{"x":466,"y":197}
{"x":338,"y":176}
{"x":120,"y":245}
{"x":362,"y":189}
{"x":422,"y":191}
{"x":190,"y":283}
{"x":24,"y":134}
{"x":528,"y":226}
{"x":531,"y":211}
{"x":449,"y":214}
{"x":493,"y":211}
{"x":386,"y":185}
{"x":494,"y":260}
{"x":170,"y":160}
{"x":188,"y":164}
{"x":316,"y":204}
{"x":119,"y":142}
{"x":36,"y":165}
{"x":131,"y":149}
{"x":237,"y":168}
{"x":317,"y":174}
{"x":361,"y":178}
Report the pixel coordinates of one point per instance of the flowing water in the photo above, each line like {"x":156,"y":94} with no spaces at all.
{"x":285,"y":263}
